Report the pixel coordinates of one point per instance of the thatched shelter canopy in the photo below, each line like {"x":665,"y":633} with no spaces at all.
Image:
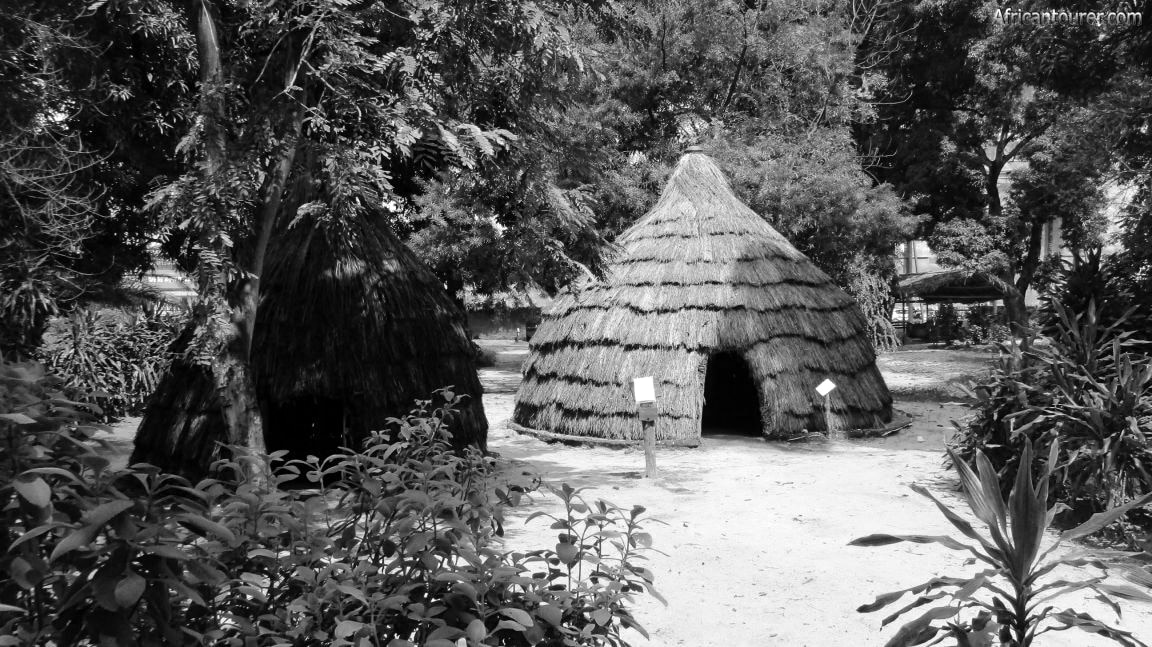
{"x":950,"y":286}
{"x":735,"y":324}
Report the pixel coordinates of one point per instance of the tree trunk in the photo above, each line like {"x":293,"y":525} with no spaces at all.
{"x":992,"y":188}
{"x":240,"y":408}
{"x":1017,"y":310}
{"x":235,"y":385}
{"x":1014,"y":301}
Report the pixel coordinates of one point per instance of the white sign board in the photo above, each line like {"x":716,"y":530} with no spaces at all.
{"x":644,"y":389}
{"x":825,"y":387}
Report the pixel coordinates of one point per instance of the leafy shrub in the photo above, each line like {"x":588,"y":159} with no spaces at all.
{"x":1006,"y":601}
{"x":982,"y":325}
{"x":947,"y":327}
{"x":116,"y":356}
{"x":1092,"y":278}
{"x":1087,"y":388}
{"x":393,"y":545}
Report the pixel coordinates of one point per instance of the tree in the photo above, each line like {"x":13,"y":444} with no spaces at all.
{"x":815,"y":193}
{"x":89,"y":98}
{"x":48,"y":214}
{"x":740,"y":75}
{"x":322,"y":110}
{"x":776,"y":88}
{"x":968,"y":95}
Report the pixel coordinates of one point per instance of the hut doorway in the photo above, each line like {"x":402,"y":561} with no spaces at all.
{"x":306,"y":425}
{"x":731,"y":399}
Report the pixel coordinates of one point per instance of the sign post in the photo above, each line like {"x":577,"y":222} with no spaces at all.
{"x":645,"y":392}
{"x":825,"y":389}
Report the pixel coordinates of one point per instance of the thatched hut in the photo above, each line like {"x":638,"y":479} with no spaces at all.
{"x":352,"y":329}
{"x":736,"y":326}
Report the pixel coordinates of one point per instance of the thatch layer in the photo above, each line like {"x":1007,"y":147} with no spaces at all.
{"x":701,"y":273}
{"x":352,"y":330}
{"x":351,"y":316}
{"x":184,"y":421}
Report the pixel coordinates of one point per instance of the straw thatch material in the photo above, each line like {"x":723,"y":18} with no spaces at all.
{"x":352,"y":321}
{"x":352,"y":329}
{"x":701,"y":273}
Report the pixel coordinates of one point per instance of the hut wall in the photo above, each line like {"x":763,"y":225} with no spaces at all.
{"x":700,"y":273}
{"x":352,"y":330}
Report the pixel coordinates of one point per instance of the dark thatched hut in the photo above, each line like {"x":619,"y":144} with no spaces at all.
{"x":736,"y":326}
{"x":352,"y":330}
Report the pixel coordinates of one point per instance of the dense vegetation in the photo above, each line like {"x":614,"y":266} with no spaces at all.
{"x":508,"y":143}
{"x":392,"y":545}
{"x":1008,"y":601}
{"x":1087,"y":388}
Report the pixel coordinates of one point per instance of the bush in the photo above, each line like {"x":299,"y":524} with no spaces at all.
{"x":116,"y":356}
{"x":1091,"y":278}
{"x":982,"y":325}
{"x":1087,"y":388}
{"x":947,"y":327}
{"x":394,"y":545}
{"x":1008,"y":601}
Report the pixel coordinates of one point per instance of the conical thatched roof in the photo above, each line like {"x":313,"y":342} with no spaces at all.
{"x":352,"y":329}
{"x":700,"y":273}
{"x":349,"y":314}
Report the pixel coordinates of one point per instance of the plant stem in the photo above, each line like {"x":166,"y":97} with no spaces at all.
{"x":1023,"y":593}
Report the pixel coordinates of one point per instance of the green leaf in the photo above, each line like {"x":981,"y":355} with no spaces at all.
{"x":35,"y":532}
{"x":519,"y":615}
{"x":8,"y":608}
{"x":510,"y":624}
{"x":346,"y":628}
{"x":207,"y":526}
{"x":601,"y":616}
{"x":1028,"y":515}
{"x":35,"y":490}
{"x":476,"y":631}
{"x":916,"y":632}
{"x":881,"y":601}
{"x":1100,"y":520}
{"x":91,"y":523}
{"x":918,"y":602}
{"x":990,"y":482}
{"x":567,"y":553}
{"x":17,"y":418}
{"x":104,"y":512}
{"x":1124,"y":592}
{"x":944,"y":540}
{"x":56,"y":471}
{"x":129,"y":589}
{"x":550,"y":614}
{"x":78,"y":538}
{"x":447,"y":634}
{"x":1085,"y":622}
{"x":994,"y":554}
{"x":978,"y":500}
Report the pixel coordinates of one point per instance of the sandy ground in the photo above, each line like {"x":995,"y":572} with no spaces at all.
{"x":753,"y":535}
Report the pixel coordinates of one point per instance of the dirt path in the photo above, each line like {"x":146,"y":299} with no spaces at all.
{"x":755,"y":534}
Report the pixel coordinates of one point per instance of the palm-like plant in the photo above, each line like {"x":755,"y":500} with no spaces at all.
{"x":1017,"y":578}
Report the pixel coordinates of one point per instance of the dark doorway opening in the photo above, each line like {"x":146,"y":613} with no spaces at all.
{"x":306,"y":425}
{"x":731,"y":399}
